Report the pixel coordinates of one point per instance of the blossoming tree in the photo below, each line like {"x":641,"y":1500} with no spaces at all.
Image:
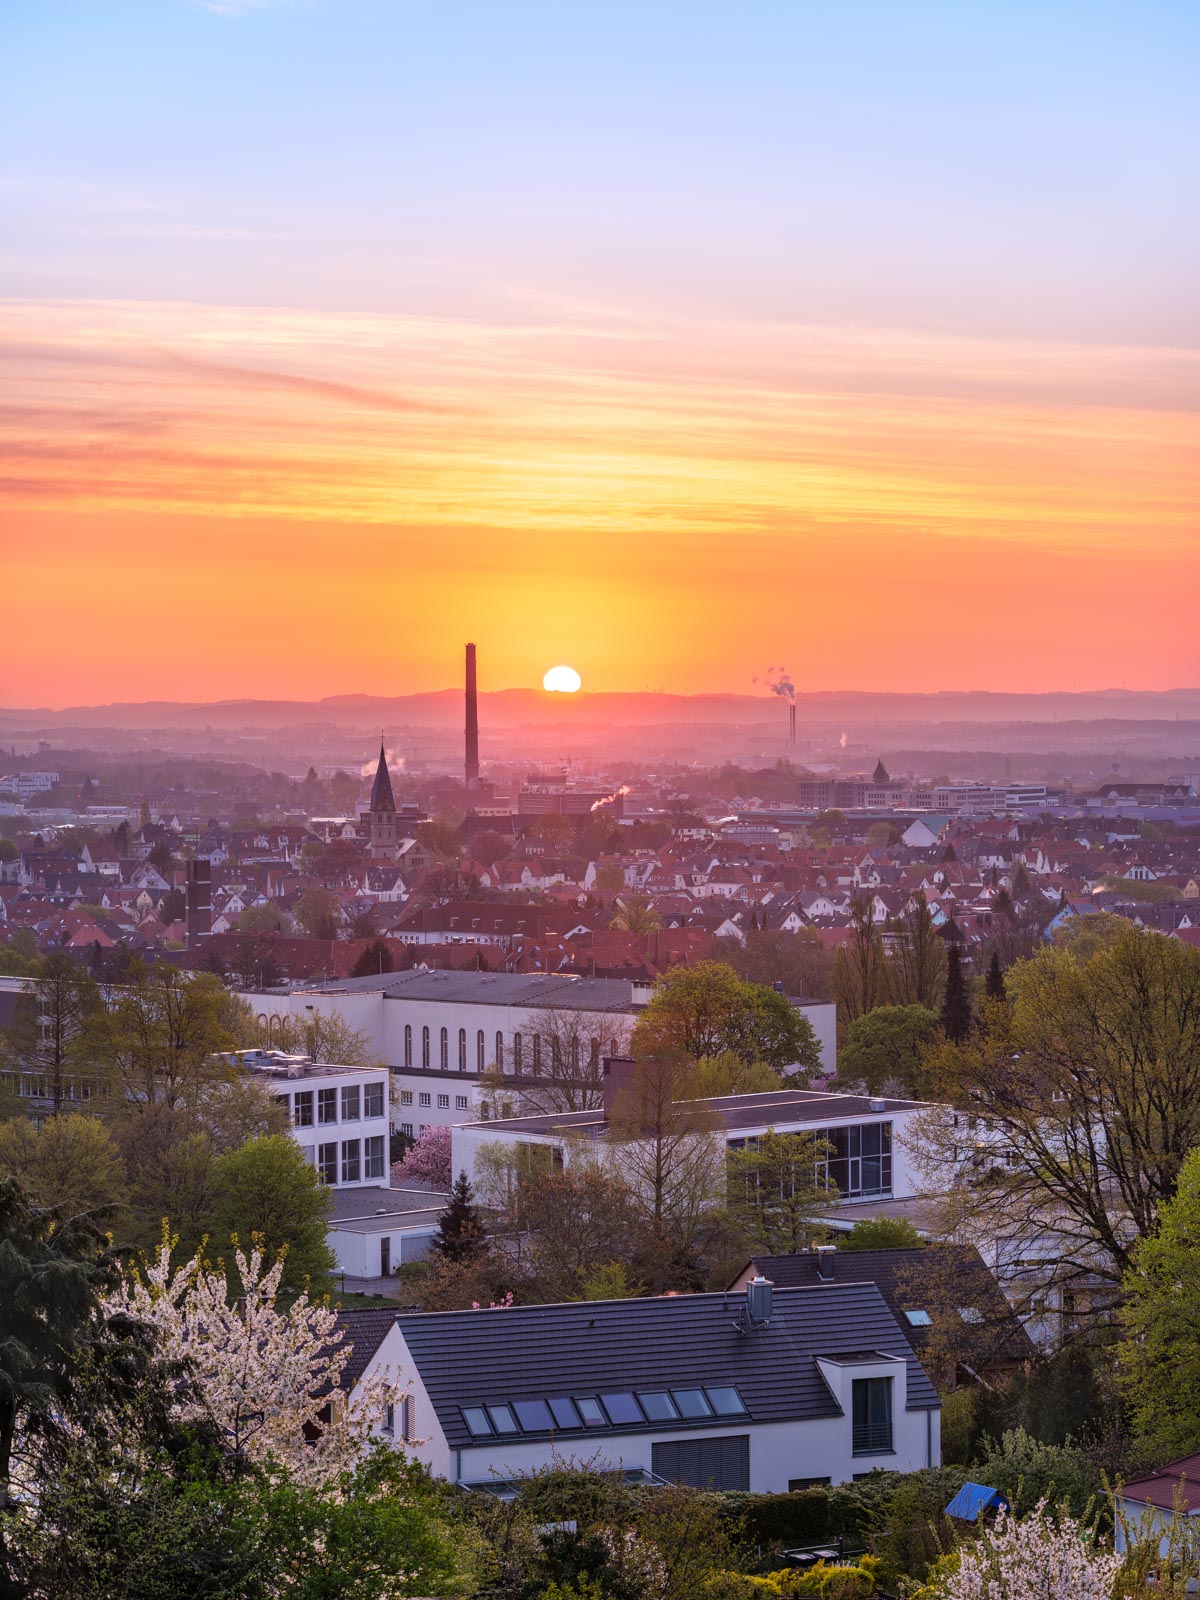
{"x":267,"y":1378}
{"x":1038,"y":1557}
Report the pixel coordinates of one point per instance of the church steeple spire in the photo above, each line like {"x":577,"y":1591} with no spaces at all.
{"x":382,"y":798}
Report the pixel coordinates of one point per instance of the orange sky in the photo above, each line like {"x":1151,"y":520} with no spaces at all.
{"x":202,"y":502}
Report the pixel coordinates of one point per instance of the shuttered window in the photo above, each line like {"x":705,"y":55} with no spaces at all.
{"x":704,"y":1463}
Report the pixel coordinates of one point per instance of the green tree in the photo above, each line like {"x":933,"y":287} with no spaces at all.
{"x":957,"y":1018}
{"x":705,"y":1010}
{"x":1159,"y":1354}
{"x":71,"y":1161}
{"x":267,"y":918}
{"x":636,"y":915}
{"x":729,"y":1074}
{"x":460,"y":1236}
{"x":994,"y":986}
{"x":375,"y":960}
{"x":887,"y":1046}
{"x":778,"y":1190}
{"x":918,"y":976}
{"x":317,"y":913}
{"x":161,"y":1037}
{"x":880,"y":1233}
{"x":49,"y":1020}
{"x":267,"y":1190}
{"x":799,"y":961}
{"x":860,"y":969}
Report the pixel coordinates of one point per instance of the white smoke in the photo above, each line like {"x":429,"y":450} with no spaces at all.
{"x":395,"y":763}
{"x":609,"y":798}
{"x":842,"y":740}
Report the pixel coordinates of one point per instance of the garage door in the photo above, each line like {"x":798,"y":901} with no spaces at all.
{"x":705,"y":1463}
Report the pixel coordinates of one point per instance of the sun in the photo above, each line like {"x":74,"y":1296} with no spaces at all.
{"x":562,"y":680}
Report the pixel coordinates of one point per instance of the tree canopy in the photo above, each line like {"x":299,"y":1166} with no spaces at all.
{"x":706,"y":1010}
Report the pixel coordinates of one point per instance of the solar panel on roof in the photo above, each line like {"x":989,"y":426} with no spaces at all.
{"x":622,"y":1408}
{"x":726,"y":1402}
{"x":533,"y":1415}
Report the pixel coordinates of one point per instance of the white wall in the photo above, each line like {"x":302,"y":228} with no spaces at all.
{"x":358,"y":1253}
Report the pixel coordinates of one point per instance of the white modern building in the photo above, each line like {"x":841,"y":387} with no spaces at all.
{"x":867,"y":1159}
{"x":339,"y":1116}
{"x":439,"y":1031}
{"x":767,"y":1391}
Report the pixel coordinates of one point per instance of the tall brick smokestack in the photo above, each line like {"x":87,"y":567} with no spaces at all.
{"x":199,"y":902}
{"x":472,"y":762}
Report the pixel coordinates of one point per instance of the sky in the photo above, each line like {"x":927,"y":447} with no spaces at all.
{"x":666,"y":340}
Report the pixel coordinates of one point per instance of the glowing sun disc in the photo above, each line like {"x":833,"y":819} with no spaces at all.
{"x":562,"y":680}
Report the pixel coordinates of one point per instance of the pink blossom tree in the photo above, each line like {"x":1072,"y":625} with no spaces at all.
{"x":1044,"y":1556}
{"x":427,"y":1162}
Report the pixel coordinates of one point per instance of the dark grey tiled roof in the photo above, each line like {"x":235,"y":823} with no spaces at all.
{"x":469,"y":1358}
{"x":366,"y":1331}
{"x":492,"y":988}
{"x":900,"y":1276}
{"x":777,"y":1107}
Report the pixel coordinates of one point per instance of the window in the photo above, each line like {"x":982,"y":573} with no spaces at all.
{"x":725,"y":1402}
{"x":408,"y":1417}
{"x":326,"y":1105}
{"x":462,"y":1049}
{"x":424,"y":1047}
{"x":373,"y":1157}
{"x":476,"y":1420}
{"x":443,"y":1102}
{"x":406,"y":1128}
{"x":871,"y":1408}
{"x":408,"y":1044}
{"x":444,"y":1050}
{"x":591,"y":1413}
{"x":460,"y":1102}
{"x":721,"y":1463}
{"x":692,"y":1402}
{"x":425,"y":1100}
{"x":302,"y":1109}
{"x":971,"y":1314}
{"x":500,"y":1051}
{"x":284,"y":1100}
{"x":350,"y":1098}
{"x":350,"y":1161}
{"x":502,"y":1419}
{"x":406,"y":1097}
{"x":796,"y":1484}
{"x":564,"y":1413}
{"x":327,"y":1162}
{"x":622,"y":1408}
{"x":480,"y":1051}
{"x":373,"y":1100}
{"x":658,"y":1406}
{"x":533,"y":1415}
{"x":518,"y":1053}
{"x":918,"y":1319}
{"x":537,"y":1055}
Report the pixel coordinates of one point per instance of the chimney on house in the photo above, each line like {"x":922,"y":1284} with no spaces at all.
{"x":825,"y":1256}
{"x":618,"y":1075}
{"x":472,"y":761}
{"x":199,"y":902}
{"x":758,"y":1300}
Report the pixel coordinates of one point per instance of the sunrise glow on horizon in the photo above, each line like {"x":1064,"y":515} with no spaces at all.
{"x":321,"y":354}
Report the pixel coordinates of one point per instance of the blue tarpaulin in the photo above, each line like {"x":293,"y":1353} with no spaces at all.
{"x":973,"y":1500}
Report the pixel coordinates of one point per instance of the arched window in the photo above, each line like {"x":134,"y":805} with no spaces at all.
{"x":518,"y":1053}
{"x":480,"y":1051}
{"x":444,"y":1050}
{"x":499,"y":1051}
{"x":424,"y":1047}
{"x":537,"y":1055}
{"x":462,"y":1049}
{"x":408,"y":1044}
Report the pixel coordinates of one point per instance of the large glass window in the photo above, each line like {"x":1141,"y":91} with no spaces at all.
{"x":302,"y":1108}
{"x":350,"y":1103}
{"x":462,"y":1049}
{"x":373,"y":1100}
{"x":499,"y":1051}
{"x":480,"y":1051}
{"x":859,"y":1160}
{"x":871,"y":1405}
{"x":351,"y":1166}
{"x":408,"y":1044}
{"x":327,"y":1162}
{"x":444,"y":1050}
{"x":374,"y":1157}
{"x":424,"y":1047}
{"x":326,"y":1105}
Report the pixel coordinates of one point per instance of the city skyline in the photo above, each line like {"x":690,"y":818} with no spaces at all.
{"x":664,"y":346}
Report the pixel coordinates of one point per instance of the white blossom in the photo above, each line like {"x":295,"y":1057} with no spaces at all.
{"x":1037,"y":1557}
{"x":263,"y":1376}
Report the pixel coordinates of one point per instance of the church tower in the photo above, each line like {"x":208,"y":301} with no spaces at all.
{"x":381,"y":817}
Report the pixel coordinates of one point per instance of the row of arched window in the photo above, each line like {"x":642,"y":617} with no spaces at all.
{"x":532,"y":1054}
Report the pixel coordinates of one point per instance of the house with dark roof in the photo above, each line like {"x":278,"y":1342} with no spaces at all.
{"x":765,"y":1390}
{"x":939,"y":1291}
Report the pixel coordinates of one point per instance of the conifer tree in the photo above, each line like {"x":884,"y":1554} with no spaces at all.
{"x":995,"y":979}
{"x":460,"y":1235}
{"x":956,"y":1007}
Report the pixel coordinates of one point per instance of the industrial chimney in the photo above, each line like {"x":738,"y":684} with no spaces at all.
{"x":199,"y":902}
{"x":472,"y":761}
